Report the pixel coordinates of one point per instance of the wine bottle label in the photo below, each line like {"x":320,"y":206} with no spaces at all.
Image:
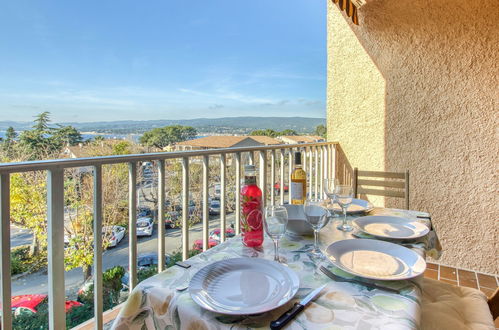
{"x":296,"y":190}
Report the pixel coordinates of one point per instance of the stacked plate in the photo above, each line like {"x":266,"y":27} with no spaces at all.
{"x":357,"y":206}
{"x":380,"y":260}
{"x":241,"y":286}
{"x":377,"y":260}
{"x":386,"y":226}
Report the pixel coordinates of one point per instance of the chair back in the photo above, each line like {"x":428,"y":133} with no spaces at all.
{"x":392,"y":184}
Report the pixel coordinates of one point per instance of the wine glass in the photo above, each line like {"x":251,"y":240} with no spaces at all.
{"x":329,"y":185}
{"x":316,"y":215}
{"x":276,"y":220}
{"x":343,"y":196}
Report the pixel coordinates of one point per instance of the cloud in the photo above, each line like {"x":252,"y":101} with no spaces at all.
{"x":227,"y":95}
{"x":216,"y":106}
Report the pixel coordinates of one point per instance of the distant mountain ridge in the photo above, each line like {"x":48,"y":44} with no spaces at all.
{"x":224,"y":125}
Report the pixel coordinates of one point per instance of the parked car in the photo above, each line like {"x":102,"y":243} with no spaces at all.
{"x":113,"y":234}
{"x":215,"y":234}
{"x":145,"y":226}
{"x":29,"y":303}
{"x":214,"y":207}
{"x":198,"y":244}
{"x":144,"y":261}
{"x":277,"y":187}
{"x":173,"y":217}
{"x":144,"y":212}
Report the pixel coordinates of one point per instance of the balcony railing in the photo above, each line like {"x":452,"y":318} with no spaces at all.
{"x":319,"y":161}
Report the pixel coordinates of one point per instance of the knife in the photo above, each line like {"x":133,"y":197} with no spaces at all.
{"x":295,"y":310}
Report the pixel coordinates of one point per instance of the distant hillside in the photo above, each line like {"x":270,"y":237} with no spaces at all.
{"x":226,"y":125}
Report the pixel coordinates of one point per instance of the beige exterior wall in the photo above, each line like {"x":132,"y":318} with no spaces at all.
{"x":416,"y":86}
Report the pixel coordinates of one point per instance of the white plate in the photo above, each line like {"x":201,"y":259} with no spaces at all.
{"x":391,"y":227}
{"x":378,"y":260}
{"x":357,"y":206}
{"x":243,"y":286}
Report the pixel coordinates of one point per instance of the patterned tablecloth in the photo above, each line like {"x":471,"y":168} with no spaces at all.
{"x":156,"y":304}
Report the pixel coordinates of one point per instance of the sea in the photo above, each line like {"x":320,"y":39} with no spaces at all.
{"x":87,"y":136}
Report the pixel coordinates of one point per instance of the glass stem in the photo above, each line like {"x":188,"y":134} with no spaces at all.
{"x":276,"y":250}
{"x":344,"y":216}
{"x":316,"y":240}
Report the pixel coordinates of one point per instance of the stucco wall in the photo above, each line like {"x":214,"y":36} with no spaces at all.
{"x":416,"y":86}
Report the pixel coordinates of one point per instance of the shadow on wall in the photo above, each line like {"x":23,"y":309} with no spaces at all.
{"x":440,"y":63}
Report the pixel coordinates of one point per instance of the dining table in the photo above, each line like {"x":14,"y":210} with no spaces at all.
{"x":162,"y":302}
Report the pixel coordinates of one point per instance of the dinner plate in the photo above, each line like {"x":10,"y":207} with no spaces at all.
{"x":357,"y":206}
{"x":388,"y":226}
{"x":241,"y":286}
{"x":378,"y":260}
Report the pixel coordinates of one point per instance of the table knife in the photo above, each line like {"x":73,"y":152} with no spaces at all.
{"x":295,"y":310}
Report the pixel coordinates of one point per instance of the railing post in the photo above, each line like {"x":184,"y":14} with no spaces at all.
{"x":272,"y":177}
{"x":132,"y":223}
{"x":334,"y":160}
{"x":317,"y":172}
{"x":290,"y":171}
{"x":310,"y":173}
{"x":222,"y":197}
{"x":98,"y":299}
{"x":238,"y":192}
{"x":321,"y":183}
{"x":206,"y":211}
{"x":161,"y":215}
{"x":5,"y":283}
{"x":55,"y":216}
{"x":281,"y":184}
{"x":185,"y":208}
{"x":252,"y":158}
{"x":263,"y":176}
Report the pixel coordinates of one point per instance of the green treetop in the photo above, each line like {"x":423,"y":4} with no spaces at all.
{"x":164,"y":136}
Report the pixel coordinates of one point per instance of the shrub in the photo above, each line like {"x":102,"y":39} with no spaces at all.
{"x":20,"y":259}
{"x":111,"y":286}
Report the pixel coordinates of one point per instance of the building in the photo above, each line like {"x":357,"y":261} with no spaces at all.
{"x":227,"y":141}
{"x":415,"y":86}
{"x":292,"y":139}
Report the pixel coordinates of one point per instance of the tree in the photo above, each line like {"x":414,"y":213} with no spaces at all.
{"x":288,"y":132}
{"x":321,"y":130}
{"x":8,"y":143}
{"x":29,"y":207}
{"x":42,"y":122}
{"x":265,"y":132}
{"x":67,"y":135}
{"x":164,"y":136}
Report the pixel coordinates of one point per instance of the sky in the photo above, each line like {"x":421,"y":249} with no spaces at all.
{"x":162,"y":59}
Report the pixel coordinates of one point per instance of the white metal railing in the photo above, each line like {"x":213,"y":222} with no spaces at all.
{"x":321,"y":164}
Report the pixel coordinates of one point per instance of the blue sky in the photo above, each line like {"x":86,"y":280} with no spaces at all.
{"x":143,"y":60}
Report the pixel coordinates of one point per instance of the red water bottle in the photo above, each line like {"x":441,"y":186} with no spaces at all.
{"x":251,"y":209}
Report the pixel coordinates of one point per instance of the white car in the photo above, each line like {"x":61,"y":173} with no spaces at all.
{"x":145,"y":226}
{"x":113,"y":234}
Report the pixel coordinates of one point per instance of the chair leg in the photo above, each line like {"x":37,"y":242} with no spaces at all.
{"x":407,"y":189}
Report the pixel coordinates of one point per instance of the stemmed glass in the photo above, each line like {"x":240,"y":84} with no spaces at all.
{"x":343,"y":195}
{"x":276,"y":221}
{"x":316,"y":215}
{"x":329,"y":185}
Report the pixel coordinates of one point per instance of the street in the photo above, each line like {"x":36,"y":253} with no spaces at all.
{"x":117,"y":256}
